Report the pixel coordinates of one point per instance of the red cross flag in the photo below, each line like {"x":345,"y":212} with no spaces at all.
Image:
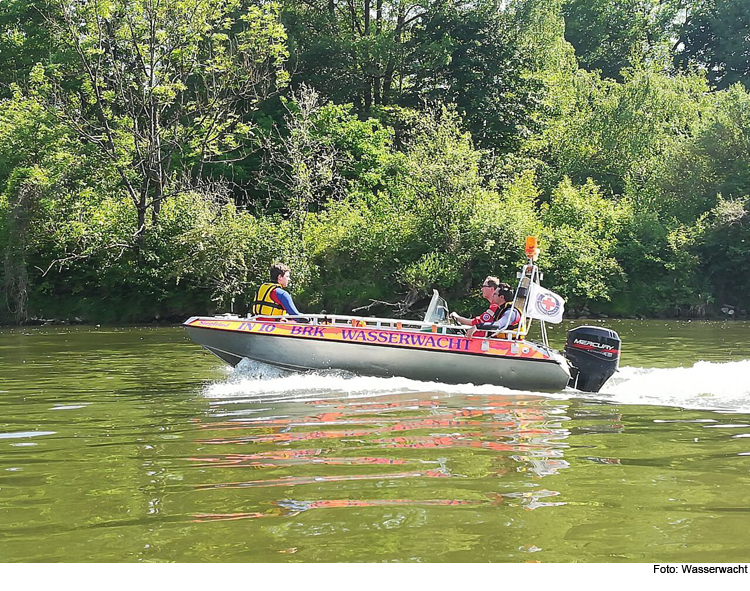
{"x":544,"y":304}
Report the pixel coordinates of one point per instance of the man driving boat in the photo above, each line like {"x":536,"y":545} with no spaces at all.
{"x":501,"y":314}
{"x":506,"y":317}
{"x":489,"y":286}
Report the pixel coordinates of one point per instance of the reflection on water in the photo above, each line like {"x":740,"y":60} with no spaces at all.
{"x":394,"y":440}
{"x":132,"y":445}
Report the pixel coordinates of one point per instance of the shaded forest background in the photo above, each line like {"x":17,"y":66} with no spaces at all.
{"x":157,"y":155}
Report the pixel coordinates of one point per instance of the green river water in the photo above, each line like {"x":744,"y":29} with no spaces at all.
{"x":135,"y":445}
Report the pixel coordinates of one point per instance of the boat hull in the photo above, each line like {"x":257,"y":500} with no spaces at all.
{"x":373,"y":352}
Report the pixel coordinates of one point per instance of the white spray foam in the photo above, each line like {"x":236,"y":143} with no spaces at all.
{"x":705,"y":386}
{"x":254,"y":381}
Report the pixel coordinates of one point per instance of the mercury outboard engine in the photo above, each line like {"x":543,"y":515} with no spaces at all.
{"x":594,"y":354}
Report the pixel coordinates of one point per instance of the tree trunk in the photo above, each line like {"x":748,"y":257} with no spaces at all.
{"x":378,"y":79}
{"x":140,"y":235}
{"x":156,"y":207}
{"x":367,"y":59}
{"x":391,"y":67}
{"x":16,"y":278}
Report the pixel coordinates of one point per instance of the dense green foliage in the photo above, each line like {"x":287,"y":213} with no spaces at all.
{"x":714,"y":34}
{"x":156,"y":157}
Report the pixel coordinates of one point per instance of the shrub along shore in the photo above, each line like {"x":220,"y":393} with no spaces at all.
{"x":155,"y":159}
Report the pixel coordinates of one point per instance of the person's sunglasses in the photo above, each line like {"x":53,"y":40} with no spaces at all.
{"x":485,"y":285}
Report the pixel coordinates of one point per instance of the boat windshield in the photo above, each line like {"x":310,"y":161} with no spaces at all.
{"x":437,"y":311}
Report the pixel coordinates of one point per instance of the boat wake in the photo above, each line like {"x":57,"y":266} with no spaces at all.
{"x":255,"y":381}
{"x":704,"y":386}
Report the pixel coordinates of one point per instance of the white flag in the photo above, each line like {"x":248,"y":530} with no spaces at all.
{"x":544,"y":304}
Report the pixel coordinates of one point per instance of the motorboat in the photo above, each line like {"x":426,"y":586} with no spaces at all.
{"x":432,"y":349}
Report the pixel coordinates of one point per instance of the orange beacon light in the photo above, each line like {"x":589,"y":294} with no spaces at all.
{"x":532,"y":247}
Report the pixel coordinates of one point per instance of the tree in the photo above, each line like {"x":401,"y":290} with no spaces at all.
{"x":161,"y":87}
{"x":616,"y":133}
{"x":41,"y":164}
{"x":392,"y":52}
{"x":472,"y":56}
{"x":697,"y":168}
{"x":24,"y":41}
{"x":726,"y":242}
{"x":301,"y":170}
{"x":354,"y":52}
{"x":609,"y":35}
{"x":581,"y":227}
{"x":715,"y":37}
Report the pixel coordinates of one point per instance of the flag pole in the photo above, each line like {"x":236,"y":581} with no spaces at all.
{"x":546,"y":305}
{"x":528,"y":275}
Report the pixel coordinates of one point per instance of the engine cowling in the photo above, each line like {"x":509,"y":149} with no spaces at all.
{"x":594,"y":356}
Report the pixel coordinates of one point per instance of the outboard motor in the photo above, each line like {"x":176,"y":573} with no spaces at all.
{"x":594,"y":355}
